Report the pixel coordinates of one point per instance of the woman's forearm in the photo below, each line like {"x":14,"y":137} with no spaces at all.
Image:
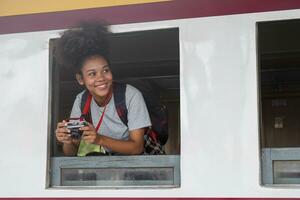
{"x":70,"y":149}
{"x":129,"y":147}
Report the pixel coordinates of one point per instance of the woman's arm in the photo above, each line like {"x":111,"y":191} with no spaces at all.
{"x":70,"y":146}
{"x":133,"y":146}
{"x":70,"y":149}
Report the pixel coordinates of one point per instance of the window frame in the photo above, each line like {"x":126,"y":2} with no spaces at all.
{"x":56,"y":163}
{"x":269,"y":155}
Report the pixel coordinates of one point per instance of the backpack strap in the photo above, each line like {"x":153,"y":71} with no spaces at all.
{"x":85,"y":106}
{"x":119,"y":90}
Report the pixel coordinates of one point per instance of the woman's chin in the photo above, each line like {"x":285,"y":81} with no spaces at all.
{"x":101,"y":95}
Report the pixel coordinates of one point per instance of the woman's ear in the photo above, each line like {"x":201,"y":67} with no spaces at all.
{"x":79,"y":79}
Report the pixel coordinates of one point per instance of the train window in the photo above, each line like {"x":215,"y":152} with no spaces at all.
{"x":143,"y":56}
{"x":279,"y":72}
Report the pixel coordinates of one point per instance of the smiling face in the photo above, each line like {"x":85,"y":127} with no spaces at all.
{"x":96,"y":77}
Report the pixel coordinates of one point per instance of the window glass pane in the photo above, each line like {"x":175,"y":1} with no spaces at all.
{"x":118,"y":177}
{"x":287,"y":172}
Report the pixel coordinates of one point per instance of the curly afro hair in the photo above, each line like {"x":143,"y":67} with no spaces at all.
{"x":78,"y":43}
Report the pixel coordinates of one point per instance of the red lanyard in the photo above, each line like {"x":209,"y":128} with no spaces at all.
{"x":86,"y":109}
{"x":102,"y":115}
{"x":101,"y":119}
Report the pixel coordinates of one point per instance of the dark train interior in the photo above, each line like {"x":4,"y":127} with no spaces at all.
{"x":143,"y":56}
{"x":279,"y":72}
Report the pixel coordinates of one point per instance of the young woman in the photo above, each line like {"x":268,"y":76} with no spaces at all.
{"x":85,"y":50}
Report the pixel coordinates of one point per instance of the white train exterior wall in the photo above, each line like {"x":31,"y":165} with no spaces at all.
{"x":220,"y":154}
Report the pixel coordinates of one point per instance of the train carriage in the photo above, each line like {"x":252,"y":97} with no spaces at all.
{"x":228,"y":72}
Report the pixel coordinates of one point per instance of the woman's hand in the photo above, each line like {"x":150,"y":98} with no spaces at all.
{"x":89,"y":134}
{"x":63,"y":134}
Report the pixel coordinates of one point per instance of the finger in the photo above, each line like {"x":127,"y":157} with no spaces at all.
{"x":64,"y":139}
{"x":87,"y":128}
{"x":61,"y":124}
{"x":89,"y":140}
{"x":89,"y":132}
{"x":67,"y":137}
{"x":86,"y":133}
{"x":61,"y":139}
{"x":63,"y":130}
{"x":90,"y":125}
{"x":63,"y":134}
{"x":60,"y":135}
{"x":89,"y":135}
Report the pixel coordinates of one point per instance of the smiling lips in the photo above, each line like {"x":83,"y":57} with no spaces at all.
{"x":102,"y":86}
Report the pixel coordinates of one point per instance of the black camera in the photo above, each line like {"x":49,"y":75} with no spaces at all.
{"x":74,"y":126}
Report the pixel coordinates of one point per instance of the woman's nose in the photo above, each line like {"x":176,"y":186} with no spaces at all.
{"x":100,"y":76}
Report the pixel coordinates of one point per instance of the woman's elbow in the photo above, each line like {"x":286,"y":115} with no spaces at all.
{"x":139,"y":149}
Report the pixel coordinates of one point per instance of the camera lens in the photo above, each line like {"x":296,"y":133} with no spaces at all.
{"x":75,"y":134}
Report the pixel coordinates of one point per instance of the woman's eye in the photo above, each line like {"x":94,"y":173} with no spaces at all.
{"x":91,"y":74}
{"x":106,"y":70}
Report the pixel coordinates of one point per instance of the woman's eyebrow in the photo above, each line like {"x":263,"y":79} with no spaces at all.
{"x":94,"y":69}
{"x":90,"y":70}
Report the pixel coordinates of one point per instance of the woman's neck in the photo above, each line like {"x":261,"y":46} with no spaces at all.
{"x":100,"y":101}
{"x":103,"y":101}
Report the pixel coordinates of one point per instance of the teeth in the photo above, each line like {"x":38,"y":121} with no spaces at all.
{"x":101,"y":86}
